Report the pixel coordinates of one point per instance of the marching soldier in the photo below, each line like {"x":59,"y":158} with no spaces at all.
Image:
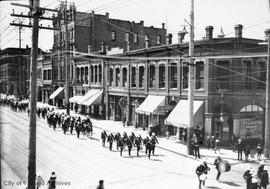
{"x":129,"y":145}
{"x":110,"y":140}
{"x":149,"y":146}
{"x":116,"y":138}
{"x":145,"y":141}
{"x":121,"y":145}
{"x":78,"y":128}
{"x":103,"y":137}
{"x":138,"y":144}
{"x":153,"y":141}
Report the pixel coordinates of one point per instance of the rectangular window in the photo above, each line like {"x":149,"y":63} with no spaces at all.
{"x":111,"y":77}
{"x":158,"y":39}
{"x":223,"y":74}
{"x":261,"y":75}
{"x":161,"y":69}
{"x":184,"y":79}
{"x":124,"y":80}
{"x":117,"y":77}
{"x":135,"y":38}
{"x":141,"y":76}
{"x":113,"y":35}
{"x":173,"y":75}
{"x":199,"y":75}
{"x":152,"y":69}
{"x":133,"y":77}
{"x":247,"y":74}
{"x":127,"y":37}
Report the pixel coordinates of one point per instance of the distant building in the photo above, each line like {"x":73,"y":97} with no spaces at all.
{"x":14,"y":71}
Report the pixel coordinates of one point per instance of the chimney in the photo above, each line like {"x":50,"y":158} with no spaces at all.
{"x":238,"y":30}
{"x":168,"y":39}
{"x":107,"y":15}
{"x":181,"y":35}
{"x":209,"y":32}
{"x":163,"y":25}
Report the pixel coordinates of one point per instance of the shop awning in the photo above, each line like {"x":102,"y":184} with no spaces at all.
{"x":88,"y":95}
{"x":179,"y":115}
{"x":94,"y":100}
{"x":75,"y":99}
{"x":57,"y":92}
{"x":152,"y":105}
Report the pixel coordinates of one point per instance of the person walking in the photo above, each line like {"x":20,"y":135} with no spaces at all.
{"x":202,"y":171}
{"x":52,"y":181}
{"x":145,"y":141}
{"x":247,"y":152}
{"x":138,"y":144}
{"x":240,"y":149}
{"x":121,"y":145}
{"x":260,"y":169}
{"x":264,"y":180}
{"x":196,"y":148}
{"x":110,"y":141}
{"x":248,"y":176}
{"x":39,"y":180}
{"x":100,"y":184}
{"x":217,"y":145}
{"x":129,"y":145}
{"x":218,"y":160}
{"x":103,"y":137}
{"x":153,"y":141}
{"x":149,"y":147}
{"x":259,"y":151}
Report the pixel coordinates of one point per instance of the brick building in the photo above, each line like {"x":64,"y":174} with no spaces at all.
{"x":229,"y":86}
{"x":14,"y":71}
{"x":90,"y":32}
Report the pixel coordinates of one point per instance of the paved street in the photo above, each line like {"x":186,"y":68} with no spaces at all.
{"x":80,"y":163}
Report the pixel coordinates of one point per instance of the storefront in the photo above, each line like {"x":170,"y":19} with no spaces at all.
{"x":57,"y":97}
{"x":177,"y":121}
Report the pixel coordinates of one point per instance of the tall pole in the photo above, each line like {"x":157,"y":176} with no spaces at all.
{"x":20,"y":46}
{"x":67,"y":60}
{"x":267,"y":101}
{"x":33,"y":96}
{"x":190,"y":79}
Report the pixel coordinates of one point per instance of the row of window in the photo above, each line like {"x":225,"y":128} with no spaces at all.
{"x":135,"y":37}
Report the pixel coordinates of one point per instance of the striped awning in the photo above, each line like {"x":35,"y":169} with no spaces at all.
{"x":152,"y":105}
{"x":57,"y":92}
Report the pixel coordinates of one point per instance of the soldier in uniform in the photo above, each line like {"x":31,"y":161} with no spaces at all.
{"x":121,"y":145}
{"x":78,"y":128}
{"x":153,"y":141}
{"x":116,"y":138}
{"x":110,"y":140}
{"x":145,"y":141}
{"x":129,"y":145}
{"x":103,"y":137}
{"x":149,"y":146}
{"x":138,"y":144}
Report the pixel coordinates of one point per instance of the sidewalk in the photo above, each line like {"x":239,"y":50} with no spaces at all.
{"x":172,"y":144}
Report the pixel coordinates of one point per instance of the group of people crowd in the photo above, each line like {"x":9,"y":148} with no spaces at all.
{"x":122,"y":141}
{"x":15,"y":104}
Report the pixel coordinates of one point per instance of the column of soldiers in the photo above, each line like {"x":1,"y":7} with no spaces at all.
{"x":69,"y":123}
{"x":122,"y":141}
{"x":15,"y":104}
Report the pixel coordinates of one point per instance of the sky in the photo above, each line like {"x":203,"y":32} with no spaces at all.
{"x":253,"y":15}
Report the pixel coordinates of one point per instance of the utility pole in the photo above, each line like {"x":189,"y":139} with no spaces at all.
{"x":267,"y":100}
{"x":190,"y":79}
{"x":67,"y":60}
{"x":35,"y":11}
{"x":20,"y":46}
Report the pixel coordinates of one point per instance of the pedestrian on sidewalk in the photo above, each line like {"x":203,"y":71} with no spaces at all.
{"x":52,"y":181}
{"x":264,"y":180}
{"x":100,"y":184}
{"x":196,"y":148}
{"x":202,"y":171}
{"x":217,"y":145}
{"x":260,"y":169}
{"x":248,"y":176}
{"x":218,"y":160}
{"x":240,"y":149}
{"x":247,"y":152}
{"x":259,"y":151}
{"x":233,"y":142}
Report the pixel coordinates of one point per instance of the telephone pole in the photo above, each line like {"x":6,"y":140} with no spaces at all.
{"x":190,"y":79}
{"x":67,"y":60}
{"x":267,"y":100}
{"x":35,"y":11}
{"x":20,"y":46}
